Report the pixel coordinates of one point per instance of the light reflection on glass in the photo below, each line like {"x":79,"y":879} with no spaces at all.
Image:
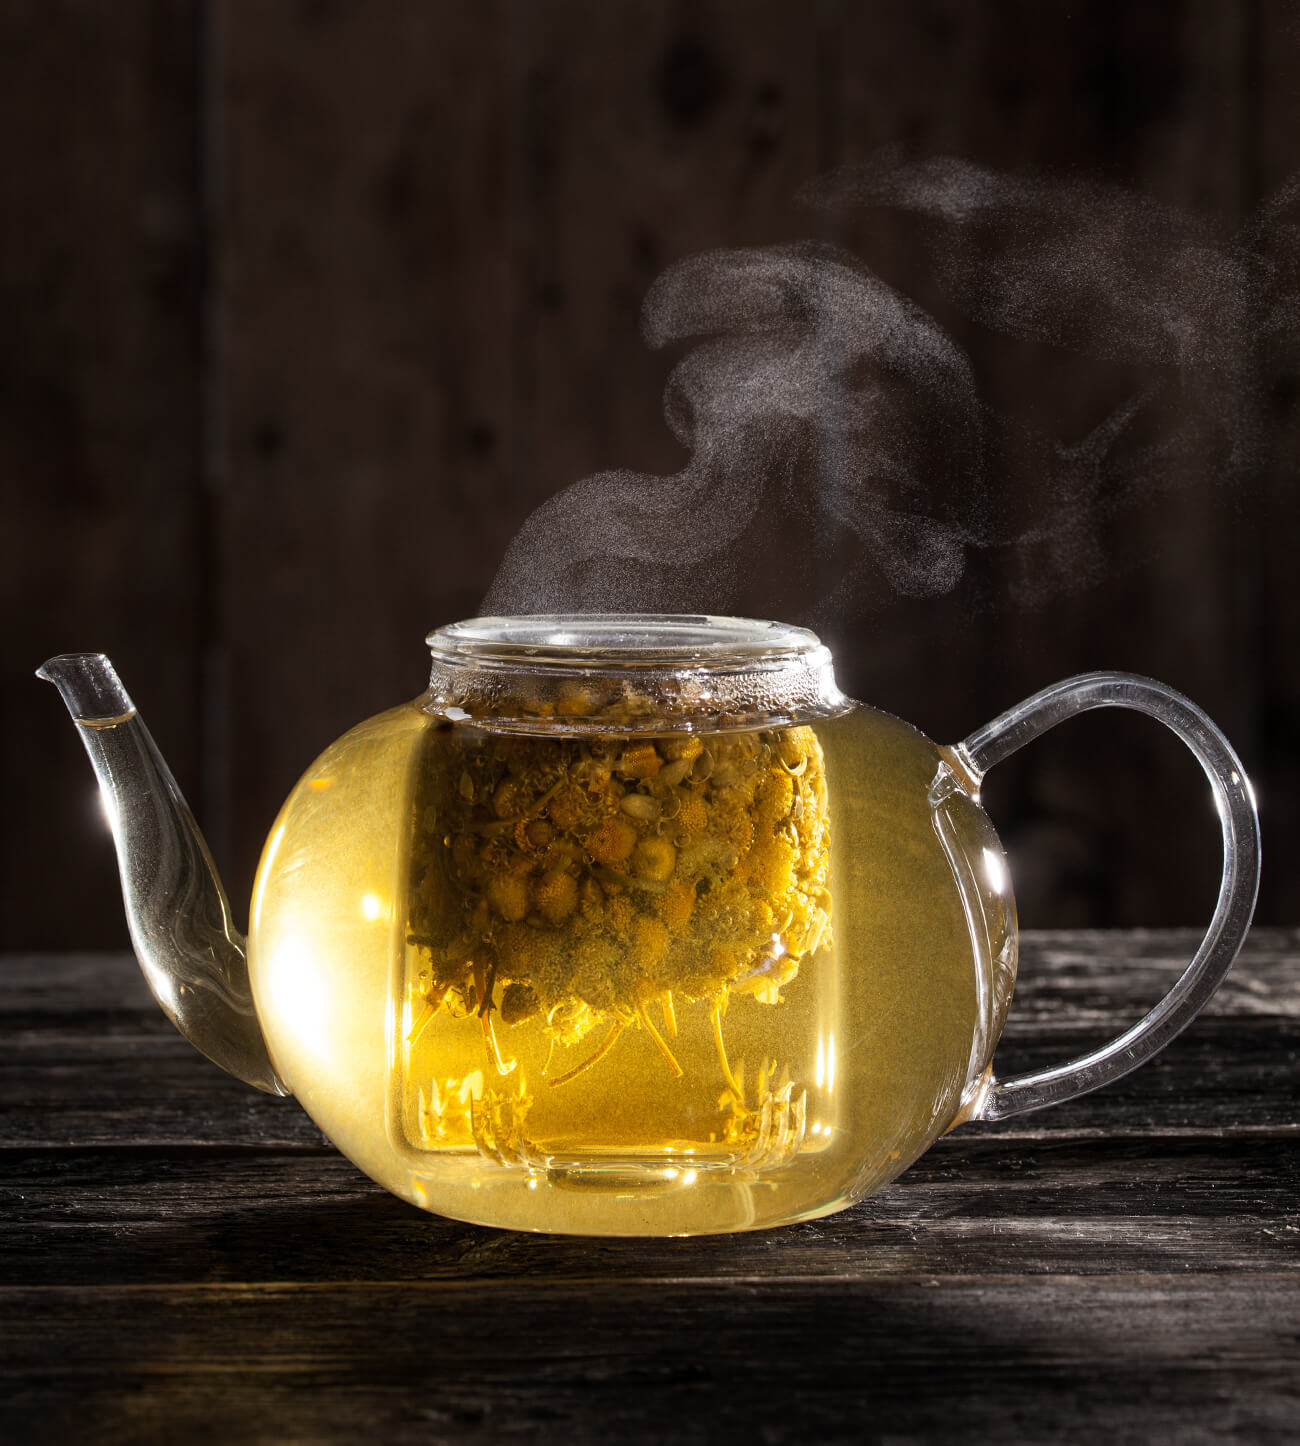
{"x":293,"y":982}
{"x":109,"y":809}
{"x":272,"y":848}
{"x":995,"y":871}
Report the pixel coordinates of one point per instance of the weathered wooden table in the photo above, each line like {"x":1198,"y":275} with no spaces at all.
{"x":184,"y":1259}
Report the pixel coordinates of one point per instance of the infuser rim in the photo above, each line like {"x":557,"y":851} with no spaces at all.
{"x":620,"y":641}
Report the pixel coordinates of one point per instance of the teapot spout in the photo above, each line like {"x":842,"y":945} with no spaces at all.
{"x":192,"y":955}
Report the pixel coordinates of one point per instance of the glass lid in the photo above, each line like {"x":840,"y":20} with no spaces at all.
{"x":629,"y":672}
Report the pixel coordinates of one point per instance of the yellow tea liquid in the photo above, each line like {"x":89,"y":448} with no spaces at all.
{"x":642,"y":997}
{"x":585,"y":911}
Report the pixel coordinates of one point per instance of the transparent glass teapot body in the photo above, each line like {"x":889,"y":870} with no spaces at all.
{"x":637,"y":926}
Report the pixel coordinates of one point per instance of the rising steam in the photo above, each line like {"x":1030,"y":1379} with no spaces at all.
{"x":822,"y":397}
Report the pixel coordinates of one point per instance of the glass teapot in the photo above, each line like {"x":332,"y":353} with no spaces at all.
{"x":629,"y":925}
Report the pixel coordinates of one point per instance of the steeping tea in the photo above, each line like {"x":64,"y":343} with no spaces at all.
{"x":628,"y":925}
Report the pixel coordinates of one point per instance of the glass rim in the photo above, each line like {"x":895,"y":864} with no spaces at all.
{"x":624,"y":641}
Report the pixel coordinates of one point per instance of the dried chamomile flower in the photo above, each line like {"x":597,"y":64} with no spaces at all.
{"x":577,"y":880}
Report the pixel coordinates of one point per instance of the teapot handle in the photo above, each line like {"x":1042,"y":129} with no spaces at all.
{"x":1235,"y":802}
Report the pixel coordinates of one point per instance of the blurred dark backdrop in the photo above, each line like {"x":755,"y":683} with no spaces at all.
{"x":306,"y":305}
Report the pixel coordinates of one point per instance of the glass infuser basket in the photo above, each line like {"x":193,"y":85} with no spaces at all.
{"x":627,"y":925}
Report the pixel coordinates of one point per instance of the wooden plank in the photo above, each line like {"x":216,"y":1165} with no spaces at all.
{"x":973,"y":1206}
{"x":1071,"y":976}
{"x":112,"y":1071}
{"x":1267,"y":575}
{"x":659,"y":132}
{"x":100,"y":276}
{"x":392,"y":246}
{"x":1077,"y":976}
{"x":1192,"y":1357}
{"x":1056,"y":1278}
{"x":1153,"y":100}
{"x":654,"y":132}
{"x":1220,"y":1078}
{"x":370,"y":410}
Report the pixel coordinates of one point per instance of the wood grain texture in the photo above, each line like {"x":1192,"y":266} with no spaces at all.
{"x":1074,"y":991}
{"x":397,"y":253}
{"x":371,"y":323}
{"x":1268,"y":579}
{"x":181,"y":1258}
{"x":100,"y":546}
{"x":1152,"y":580}
{"x":129,"y":1215}
{"x":657,"y":131}
{"x":1187,"y":1358}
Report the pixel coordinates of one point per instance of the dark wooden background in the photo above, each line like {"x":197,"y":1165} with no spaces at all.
{"x":306,"y":304}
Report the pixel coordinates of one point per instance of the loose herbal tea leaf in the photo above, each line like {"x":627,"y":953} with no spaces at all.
{"x":583,"y":880}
